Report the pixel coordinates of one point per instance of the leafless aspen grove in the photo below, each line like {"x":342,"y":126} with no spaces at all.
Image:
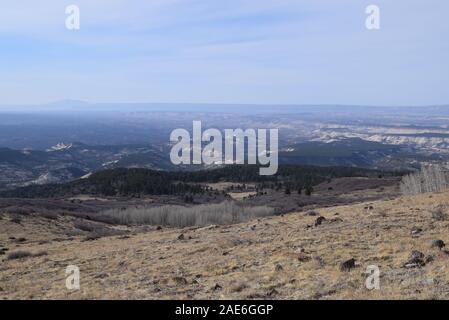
{"x":433,"y":178}
{"x":179,"y":216}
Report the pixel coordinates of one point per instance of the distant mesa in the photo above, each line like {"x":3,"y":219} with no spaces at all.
{"x":60,"y":146}
{"x":68,"y":103}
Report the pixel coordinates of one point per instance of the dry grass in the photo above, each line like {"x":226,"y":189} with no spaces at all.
{"x":282,"y":257}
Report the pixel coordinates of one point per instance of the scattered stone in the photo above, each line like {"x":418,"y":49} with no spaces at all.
{"x":180,"y":281}
{"x":415,"y":260}
{"x":101,"y":275}
{"x":302,"y":257}
{"x":320,"y":261}
{"x":311,"y":213}
{"x":319,"y":221}
{"x":217,"y":287}
{"x":181,"y":236}
{"x":437,"y":244}
{"x":429,"y":259}
{"x":415,"y":231}
{"x":272,"y":292}
{"x":415,"y":254}
{"x":158,"y":228}
{"x":348,"y":265}
{"x":278,"y":268}
{"x":253,"y":227}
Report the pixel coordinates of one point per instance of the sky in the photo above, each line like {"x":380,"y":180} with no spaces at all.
{"x":233,"y":51}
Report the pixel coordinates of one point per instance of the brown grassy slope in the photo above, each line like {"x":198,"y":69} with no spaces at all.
{"x":279,"y":257}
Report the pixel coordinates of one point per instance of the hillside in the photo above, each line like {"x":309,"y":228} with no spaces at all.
{"x":289,"y":256}
{"x":134,"y":181}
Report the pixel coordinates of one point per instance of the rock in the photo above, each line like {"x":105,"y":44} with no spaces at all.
{"x":217,"y":287}
{"x":253,"y":227}
{"x":416,"y":255}
{"x":415,"y":230}
{"x":302,"y":257}
{"x":320,"y":261}
{"x":272,"y":292}
{"x":159,"y":228}
{"x":415,"y":260}
{"x":278,"y":268}
{"x":333,"y":220}
{"x":181,"y":236}
{"x":437,"y":244}
{"x":348,"y":265}
{"x":311,"y":213}
{"x":180,"y":281}
{"x":319,"y":221}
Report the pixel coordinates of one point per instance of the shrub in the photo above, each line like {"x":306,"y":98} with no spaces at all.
{"x":49,"y":215}
{"x":19,"y":255}
{"x":439,"y":214}
{"x":84,"y":226}
{"x":20,"y":210}
{"x":178,"y":216}
{"x":40,"y":254}
{"x":16,"y":219}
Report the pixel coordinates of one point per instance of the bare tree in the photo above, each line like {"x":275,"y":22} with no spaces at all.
{"x":432,"y":178}
{"x":178,"y":216}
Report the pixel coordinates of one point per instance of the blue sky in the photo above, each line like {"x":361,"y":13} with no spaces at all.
{"x":233,"y":51}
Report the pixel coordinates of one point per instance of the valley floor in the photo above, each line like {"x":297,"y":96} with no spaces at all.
{"x":282,"y":257}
